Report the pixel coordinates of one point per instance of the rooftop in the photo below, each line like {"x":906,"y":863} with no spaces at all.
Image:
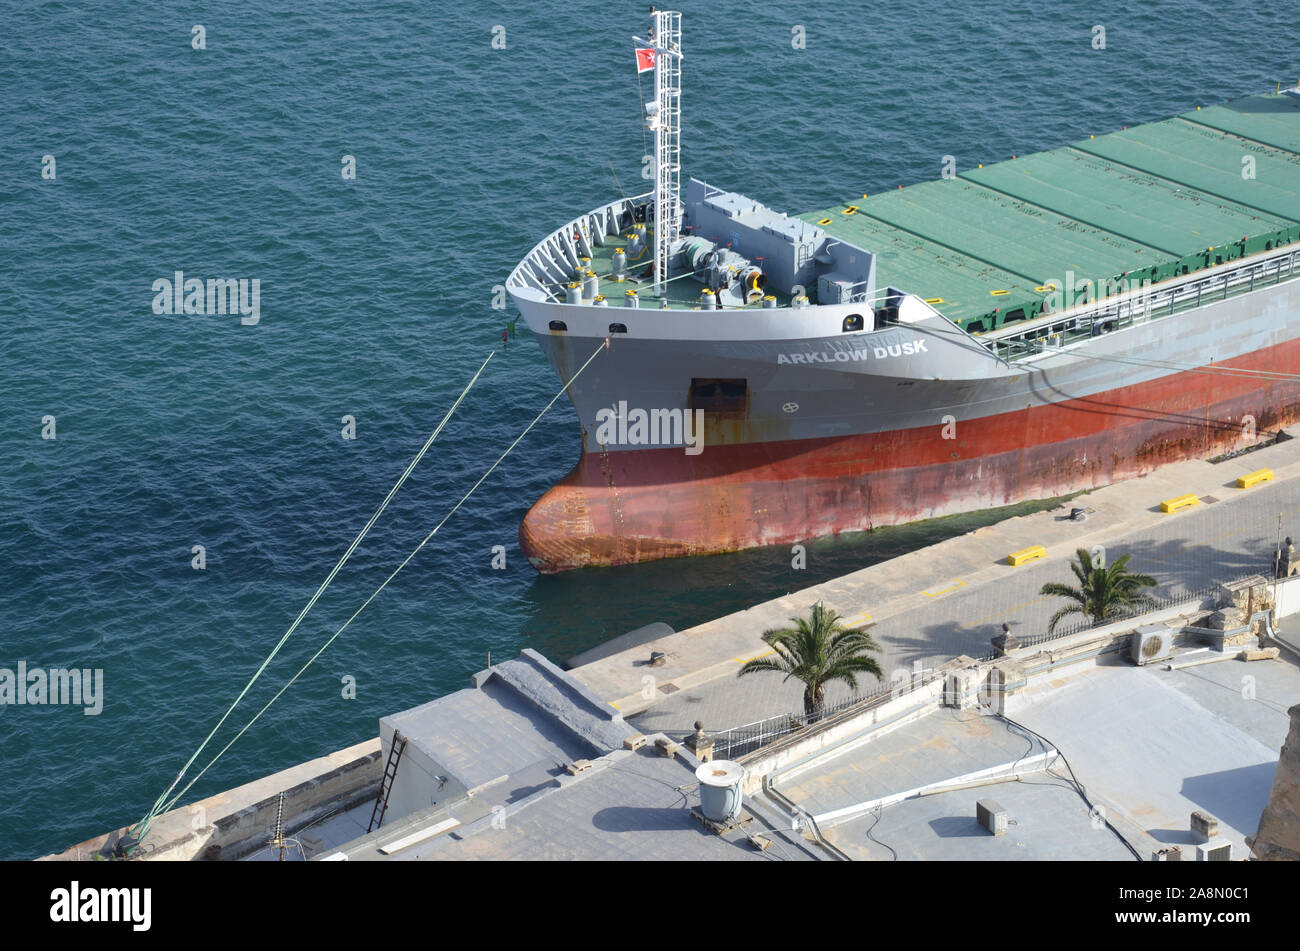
{"x":526,"y":765}
{"x":1095,"y":759}
{"x":1147,"y":747}
{"x":634,"y":807}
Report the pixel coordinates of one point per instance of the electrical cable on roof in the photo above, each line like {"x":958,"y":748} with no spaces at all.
{"x":1078,"y":786}
{"x":880,"y":811}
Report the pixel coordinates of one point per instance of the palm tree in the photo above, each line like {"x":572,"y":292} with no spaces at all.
{"x":1103,"y":592}
{"x":817,"y":651}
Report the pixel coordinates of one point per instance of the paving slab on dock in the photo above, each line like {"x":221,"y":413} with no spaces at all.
{"x":950,"y":598}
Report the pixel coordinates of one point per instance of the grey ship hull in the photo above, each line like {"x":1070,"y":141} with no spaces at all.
{"x":824,"y":432}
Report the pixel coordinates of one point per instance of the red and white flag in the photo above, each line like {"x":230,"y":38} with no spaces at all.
{"x":645,"y":59}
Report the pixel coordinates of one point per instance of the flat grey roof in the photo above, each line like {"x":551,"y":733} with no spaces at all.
{"x":1158,"y":744}
{"x":634,"y":806}
{"x":1047,"y":821}
{"x":1148,"y":745}
{"x":490,"y":732}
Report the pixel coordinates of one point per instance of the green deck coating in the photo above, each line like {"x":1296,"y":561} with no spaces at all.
{"x":1148,"y":202}
{"x":681,"y":293}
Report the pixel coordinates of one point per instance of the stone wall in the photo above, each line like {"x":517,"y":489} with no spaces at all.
{"x":1278,"y":838}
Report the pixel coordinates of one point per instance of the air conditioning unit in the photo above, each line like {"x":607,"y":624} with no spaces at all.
{"x":1216,"y":850}
{"x":1151,"y":643}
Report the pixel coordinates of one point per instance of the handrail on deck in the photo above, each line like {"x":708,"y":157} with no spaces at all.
{"x":1157,"y":302}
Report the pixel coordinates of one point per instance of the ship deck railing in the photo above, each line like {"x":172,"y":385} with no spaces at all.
{"x":549,"y":267}
{"x":1153,"y":302}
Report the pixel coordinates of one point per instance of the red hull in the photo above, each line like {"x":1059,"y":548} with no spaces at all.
{"x":622,"y":507}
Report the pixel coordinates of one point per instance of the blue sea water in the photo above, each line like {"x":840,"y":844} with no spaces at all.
{"x":376,"y":302}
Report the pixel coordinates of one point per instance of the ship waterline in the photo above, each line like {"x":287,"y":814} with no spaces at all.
{"x":1021,"y":331}
{"x":623,"y":507}
{"x":820,"y":448}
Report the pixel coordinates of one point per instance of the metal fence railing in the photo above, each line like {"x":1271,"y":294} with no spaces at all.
{"x":1157,"y":604}
{"x":740,"y":740}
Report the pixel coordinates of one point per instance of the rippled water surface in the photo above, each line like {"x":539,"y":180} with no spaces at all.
{"x":176,"y":431}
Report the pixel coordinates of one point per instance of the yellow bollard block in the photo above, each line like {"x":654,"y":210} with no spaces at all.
{"x":1179,"y":502}
{"x":1254,"y":478}
{"x":1032,"y":553}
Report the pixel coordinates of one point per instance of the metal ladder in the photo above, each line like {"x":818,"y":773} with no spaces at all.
{"x":386,"y":784}
{"x":667,"y":40}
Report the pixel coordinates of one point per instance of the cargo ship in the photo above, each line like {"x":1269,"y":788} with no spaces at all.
{"x":1023,"y":330}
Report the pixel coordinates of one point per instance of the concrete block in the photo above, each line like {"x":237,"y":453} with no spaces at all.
{"x":634,"y":742}
{"x":991,"y":816}
{"x":1221,"y":621}
{"x":578,"y":766}
{"x":312,"y":843}
{"x":1204,"y":826}
{"x":666,"y":747}
{"x":1254,"y":478}
{"x":1239,"y":638}
{"x":1010,"y":673}
{"x":961,"y":688}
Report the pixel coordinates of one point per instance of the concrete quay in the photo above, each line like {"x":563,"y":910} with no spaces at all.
{"x":950,"y":598}
{"x":535,"y":762}
{"x":234,"y":823}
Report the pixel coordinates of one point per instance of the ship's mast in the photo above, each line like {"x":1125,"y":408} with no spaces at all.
{"x":666,"y":40}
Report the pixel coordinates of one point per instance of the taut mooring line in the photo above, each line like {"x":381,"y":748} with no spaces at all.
{"x":170,"y":803}
{"x":144,"y":823}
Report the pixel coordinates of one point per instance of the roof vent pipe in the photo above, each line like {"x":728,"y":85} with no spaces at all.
{"x":720,"y":789}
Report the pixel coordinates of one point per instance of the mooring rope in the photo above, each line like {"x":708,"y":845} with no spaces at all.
{"x":157,"y":807}
{"x":172,"y":802}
